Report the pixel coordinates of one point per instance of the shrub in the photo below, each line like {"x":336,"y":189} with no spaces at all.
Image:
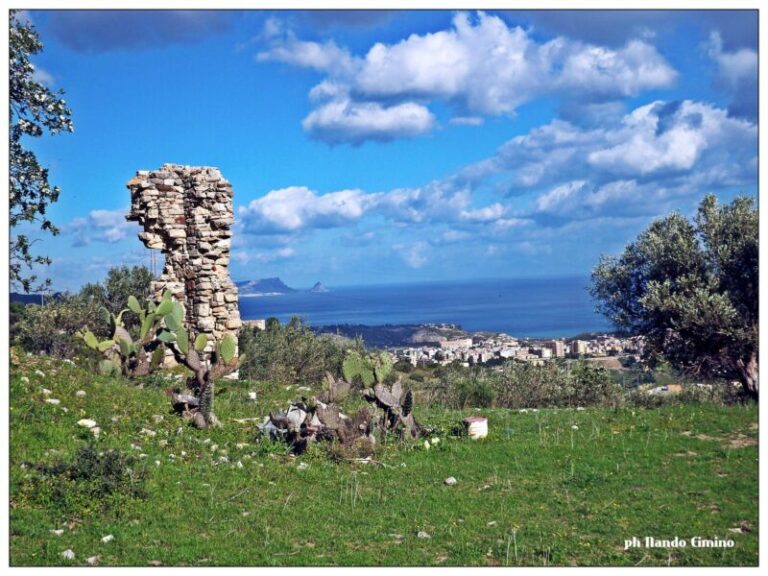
{"x":50,"y":329}
{"x":94,"y":481}
{"x":290,"y":354}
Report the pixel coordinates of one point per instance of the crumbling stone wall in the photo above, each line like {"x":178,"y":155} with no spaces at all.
{"x":186,"y":211}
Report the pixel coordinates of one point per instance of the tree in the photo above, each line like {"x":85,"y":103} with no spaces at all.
{"x":121,"y":283}
{"x":691,"y":289}
{"x":34,"y":109}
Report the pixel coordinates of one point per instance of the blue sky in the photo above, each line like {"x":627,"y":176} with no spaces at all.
{"x":373,"y":147}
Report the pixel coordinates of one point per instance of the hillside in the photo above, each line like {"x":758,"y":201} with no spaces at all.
{"x":547,"y":487}
{"x":396,"y":335}
{"x":263,"y":286}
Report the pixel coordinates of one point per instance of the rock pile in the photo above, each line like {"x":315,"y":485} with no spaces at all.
{"x":186,"y":211}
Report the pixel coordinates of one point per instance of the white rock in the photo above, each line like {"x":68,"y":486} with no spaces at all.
{"x":58,"y":532}
{"x":54,"y":401}
{"x":93,"y":560}
{"x":68,"y":361}
{"x":427,"y":445}
{"x":435,"y":441}
{"x":252,"y":396}
{"x":107,"y":538}
{"x":25,"y":379}
{"x":302,"y":466}
{"x":239,"y":464}
{"x":422,"y":534}
{"x":80,"y":393}
{"x":580,"y":408}
{"x":87,"y":423}
{"x":40,"y":373}
{"x":574,"y":427}
{"x":450,"y":481}
{"x":148,"y":432}
{"x":96,"y":431}
{"x":68,"y":554}
{"x":46,"y":391}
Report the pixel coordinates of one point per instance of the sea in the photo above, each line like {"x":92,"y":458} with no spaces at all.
{"x":534,"y":308}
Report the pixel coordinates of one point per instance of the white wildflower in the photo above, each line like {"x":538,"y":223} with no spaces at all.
{"x":68,"y":555}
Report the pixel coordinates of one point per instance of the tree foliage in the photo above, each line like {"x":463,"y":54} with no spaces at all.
{"x":691,"y":288}
{"x":290,"y":354}
{"x":34,"y":110}
{"x":121,"y":283}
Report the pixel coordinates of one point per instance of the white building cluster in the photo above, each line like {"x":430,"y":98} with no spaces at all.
{"x":481,"y":349}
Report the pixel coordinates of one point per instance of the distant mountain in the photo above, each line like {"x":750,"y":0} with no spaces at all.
{"x":33,"y":298}
{"x":396,"y":334}
{"x":263,"y":287}
{"x":318,"y":288}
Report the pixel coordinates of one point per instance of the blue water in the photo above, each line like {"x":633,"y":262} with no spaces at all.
{"x":537,"y":308}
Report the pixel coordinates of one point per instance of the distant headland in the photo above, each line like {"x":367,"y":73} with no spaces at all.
{"x":273,"y":287}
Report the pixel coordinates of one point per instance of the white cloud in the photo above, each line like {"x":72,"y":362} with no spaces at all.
{"x":285,"y":47}
{"x":480,"y":66}
{"x":413,"y":254}
{"x":344,"y":120}
{"x":246,"y":257}
{"x":736,"y":75}
{"x":559,"y":196}
{"x":614,"y":73}
{"x":43,"y":77}
{"x":490,"y":68}
{"x":467,"y":120}
{"x":661,"y":140}
{"x":108,"y":226}
{"x":733,"y":67}
{"x":297,"y":207}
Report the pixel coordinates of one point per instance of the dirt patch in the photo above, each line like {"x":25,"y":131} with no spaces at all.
{"x":608,"y":362}
{"x":688,"y":454}
{"x":741,"y":441}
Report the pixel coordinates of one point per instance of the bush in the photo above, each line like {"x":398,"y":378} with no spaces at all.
{"x":525,"y":386}
{"x":94,"y":481}
{"x":290,"y":354}
{"x":51,"y":329}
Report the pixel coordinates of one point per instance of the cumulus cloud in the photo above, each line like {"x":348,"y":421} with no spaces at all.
{"x":736,"y":75}
{"x":284,"y":46}
{"x":97,"y":31}
{"x":660,"y":140}
{"x":107,"y":226}
{"x":344,"y":120}
{"x":480,"y":66}
{"x":489,"y":68}
{"x":297,"y":207}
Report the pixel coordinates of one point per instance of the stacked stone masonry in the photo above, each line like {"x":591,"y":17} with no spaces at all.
{"x":186,"y":211}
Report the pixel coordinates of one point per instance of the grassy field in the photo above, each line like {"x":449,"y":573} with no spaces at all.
{"x":553,"y":487}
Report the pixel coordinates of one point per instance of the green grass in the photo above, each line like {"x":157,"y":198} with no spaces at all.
{"x":535,"y":492}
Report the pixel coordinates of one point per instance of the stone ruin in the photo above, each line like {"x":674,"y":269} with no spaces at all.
{"x":187,"y":212}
